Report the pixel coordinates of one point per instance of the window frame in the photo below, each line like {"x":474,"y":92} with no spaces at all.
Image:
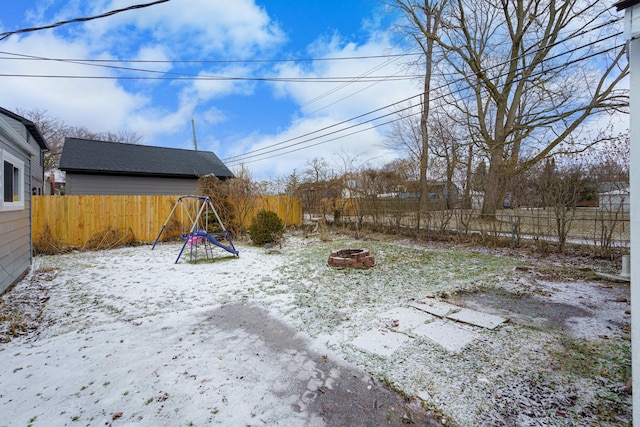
{"x":19,"y":165}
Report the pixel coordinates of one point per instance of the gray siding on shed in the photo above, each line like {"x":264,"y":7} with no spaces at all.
{"x":114,"y":185}
{"x":15,"y":230}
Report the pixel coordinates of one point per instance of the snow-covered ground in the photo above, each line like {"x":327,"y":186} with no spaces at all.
{"x":128,"y":337}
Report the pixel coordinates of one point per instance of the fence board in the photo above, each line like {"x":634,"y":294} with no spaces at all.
{"x":73,"y":220}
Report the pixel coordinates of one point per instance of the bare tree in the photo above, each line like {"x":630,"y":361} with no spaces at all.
{"x":313,"y":189}
{"x":613,"y":163}
{"x":561,"y":187}
{"x":424,"y":18}
{"x":243,"y":192}
{"x":53,"y":130}
{"x":218,"y":193}
{"x":529,"y":74}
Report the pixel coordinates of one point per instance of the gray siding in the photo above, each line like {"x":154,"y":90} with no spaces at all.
{"x":82,"y":184}
{"x":15,"y":229}
{"x":15,"y":250}
{"x":37,"y":168}
{"x":16,"y":125}
{"x":37,"y":162}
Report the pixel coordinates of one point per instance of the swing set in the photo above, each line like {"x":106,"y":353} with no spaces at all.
{"x":198,"y":211}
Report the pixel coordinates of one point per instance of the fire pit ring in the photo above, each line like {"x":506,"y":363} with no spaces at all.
{"x":351,"y":258}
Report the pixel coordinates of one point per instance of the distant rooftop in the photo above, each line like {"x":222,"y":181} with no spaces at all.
{"x":114,"y":158}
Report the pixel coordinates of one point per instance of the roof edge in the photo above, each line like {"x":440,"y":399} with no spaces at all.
{"x":625,"y":4}
{"x":31,"y":127}
{"x":11,"y":133}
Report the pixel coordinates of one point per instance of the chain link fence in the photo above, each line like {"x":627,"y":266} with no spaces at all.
{"x":604,"y":231}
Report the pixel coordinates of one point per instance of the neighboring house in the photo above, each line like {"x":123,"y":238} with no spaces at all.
{"x":22,"y":160}
{"x":616,"y":200}
{"x":112,"y":168}
{"x":55,"y":183}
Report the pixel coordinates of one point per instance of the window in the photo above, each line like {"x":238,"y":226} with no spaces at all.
{"x":12,"y":182}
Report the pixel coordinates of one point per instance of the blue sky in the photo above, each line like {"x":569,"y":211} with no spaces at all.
{"x":247,"y":39}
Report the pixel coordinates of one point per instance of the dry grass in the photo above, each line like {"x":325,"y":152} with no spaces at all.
{"x":46,"y":244}
{"x":109,"y":239}
{"x":21,"y":309}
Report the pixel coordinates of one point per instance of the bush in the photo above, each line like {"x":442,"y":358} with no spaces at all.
{"x":266,"y":227}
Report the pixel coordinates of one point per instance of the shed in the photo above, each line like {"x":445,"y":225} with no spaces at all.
{"x":616,"y":200}
{"x":22,"y":150}
{"x":112,"y":168}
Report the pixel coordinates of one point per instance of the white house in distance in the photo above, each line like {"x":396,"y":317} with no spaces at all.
{"x":616,"y":200}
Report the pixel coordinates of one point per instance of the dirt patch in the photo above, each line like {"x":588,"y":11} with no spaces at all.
{"x":329,"y":391}
{"x":522,"y":309}
{"x":583,"y":309}
{"x":21,"y":307}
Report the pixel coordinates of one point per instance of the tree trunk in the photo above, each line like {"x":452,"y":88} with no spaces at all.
{"x":467,"y":188}
{"x":493,"y":186}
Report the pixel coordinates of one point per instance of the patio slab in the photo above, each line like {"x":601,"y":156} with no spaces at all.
{"x":476,"y":318}
{"x":435,"y":307}
{"x":446,"y":334}
{"x":381,"y":343}
{"x":405,"y":319}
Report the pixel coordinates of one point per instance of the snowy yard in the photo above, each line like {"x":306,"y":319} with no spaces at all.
{"x":128,"y":337}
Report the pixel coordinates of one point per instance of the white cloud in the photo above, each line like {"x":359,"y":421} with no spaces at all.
{"x":173,"y":30}
{"x":368,"y":145}
{"x":161,"y":111}
{"x":194,"y":28}
{"x":211,"y":89}
{"x":98,"y":104}
{"x":322,"y":105}
{"x":347,"y":99}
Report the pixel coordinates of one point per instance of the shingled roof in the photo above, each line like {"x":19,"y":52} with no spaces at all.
{"x":114,"y":158}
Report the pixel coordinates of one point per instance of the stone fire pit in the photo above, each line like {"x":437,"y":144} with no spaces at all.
{"x":351,"y":258}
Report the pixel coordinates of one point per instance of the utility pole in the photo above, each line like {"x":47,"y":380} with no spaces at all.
{"x":195,"y":141}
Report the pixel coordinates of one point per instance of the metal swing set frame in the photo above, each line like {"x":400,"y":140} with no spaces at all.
{"x":197,"y":234}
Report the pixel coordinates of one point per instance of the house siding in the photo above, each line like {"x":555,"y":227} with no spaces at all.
{"x":15,"y":250}
{"x":16,"y":125}
{"x":15,"y":228}
{"x":37,"y":169}
{"x":111,"y":185}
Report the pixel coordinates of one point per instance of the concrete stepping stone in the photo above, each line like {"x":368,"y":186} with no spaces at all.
{"x":405,"y":319}
{"x":435,"y":307}
{"x":476,"y":318}
{"x":381,"y":343}
{"x":446,"y":334}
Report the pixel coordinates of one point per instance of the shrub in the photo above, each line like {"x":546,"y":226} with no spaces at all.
{"x":266,"y":227}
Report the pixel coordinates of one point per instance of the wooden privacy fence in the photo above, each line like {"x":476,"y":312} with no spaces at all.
{"x":75,"y":220}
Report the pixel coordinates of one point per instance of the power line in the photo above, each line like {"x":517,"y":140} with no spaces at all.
{"x":184,"y":76}
{"x":333,"y":79}
{"x":345,"y":80}
{"x":231,"y":61}
{"x":234,"y":160}
{"x":244,"y":156}
{"x":91,"y":18}
{"x":357,"y":79}
{"x":328,"y":140}
{"x":251,"y":154}
{"x":340,"y":79}
{"x":207,"y":61}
